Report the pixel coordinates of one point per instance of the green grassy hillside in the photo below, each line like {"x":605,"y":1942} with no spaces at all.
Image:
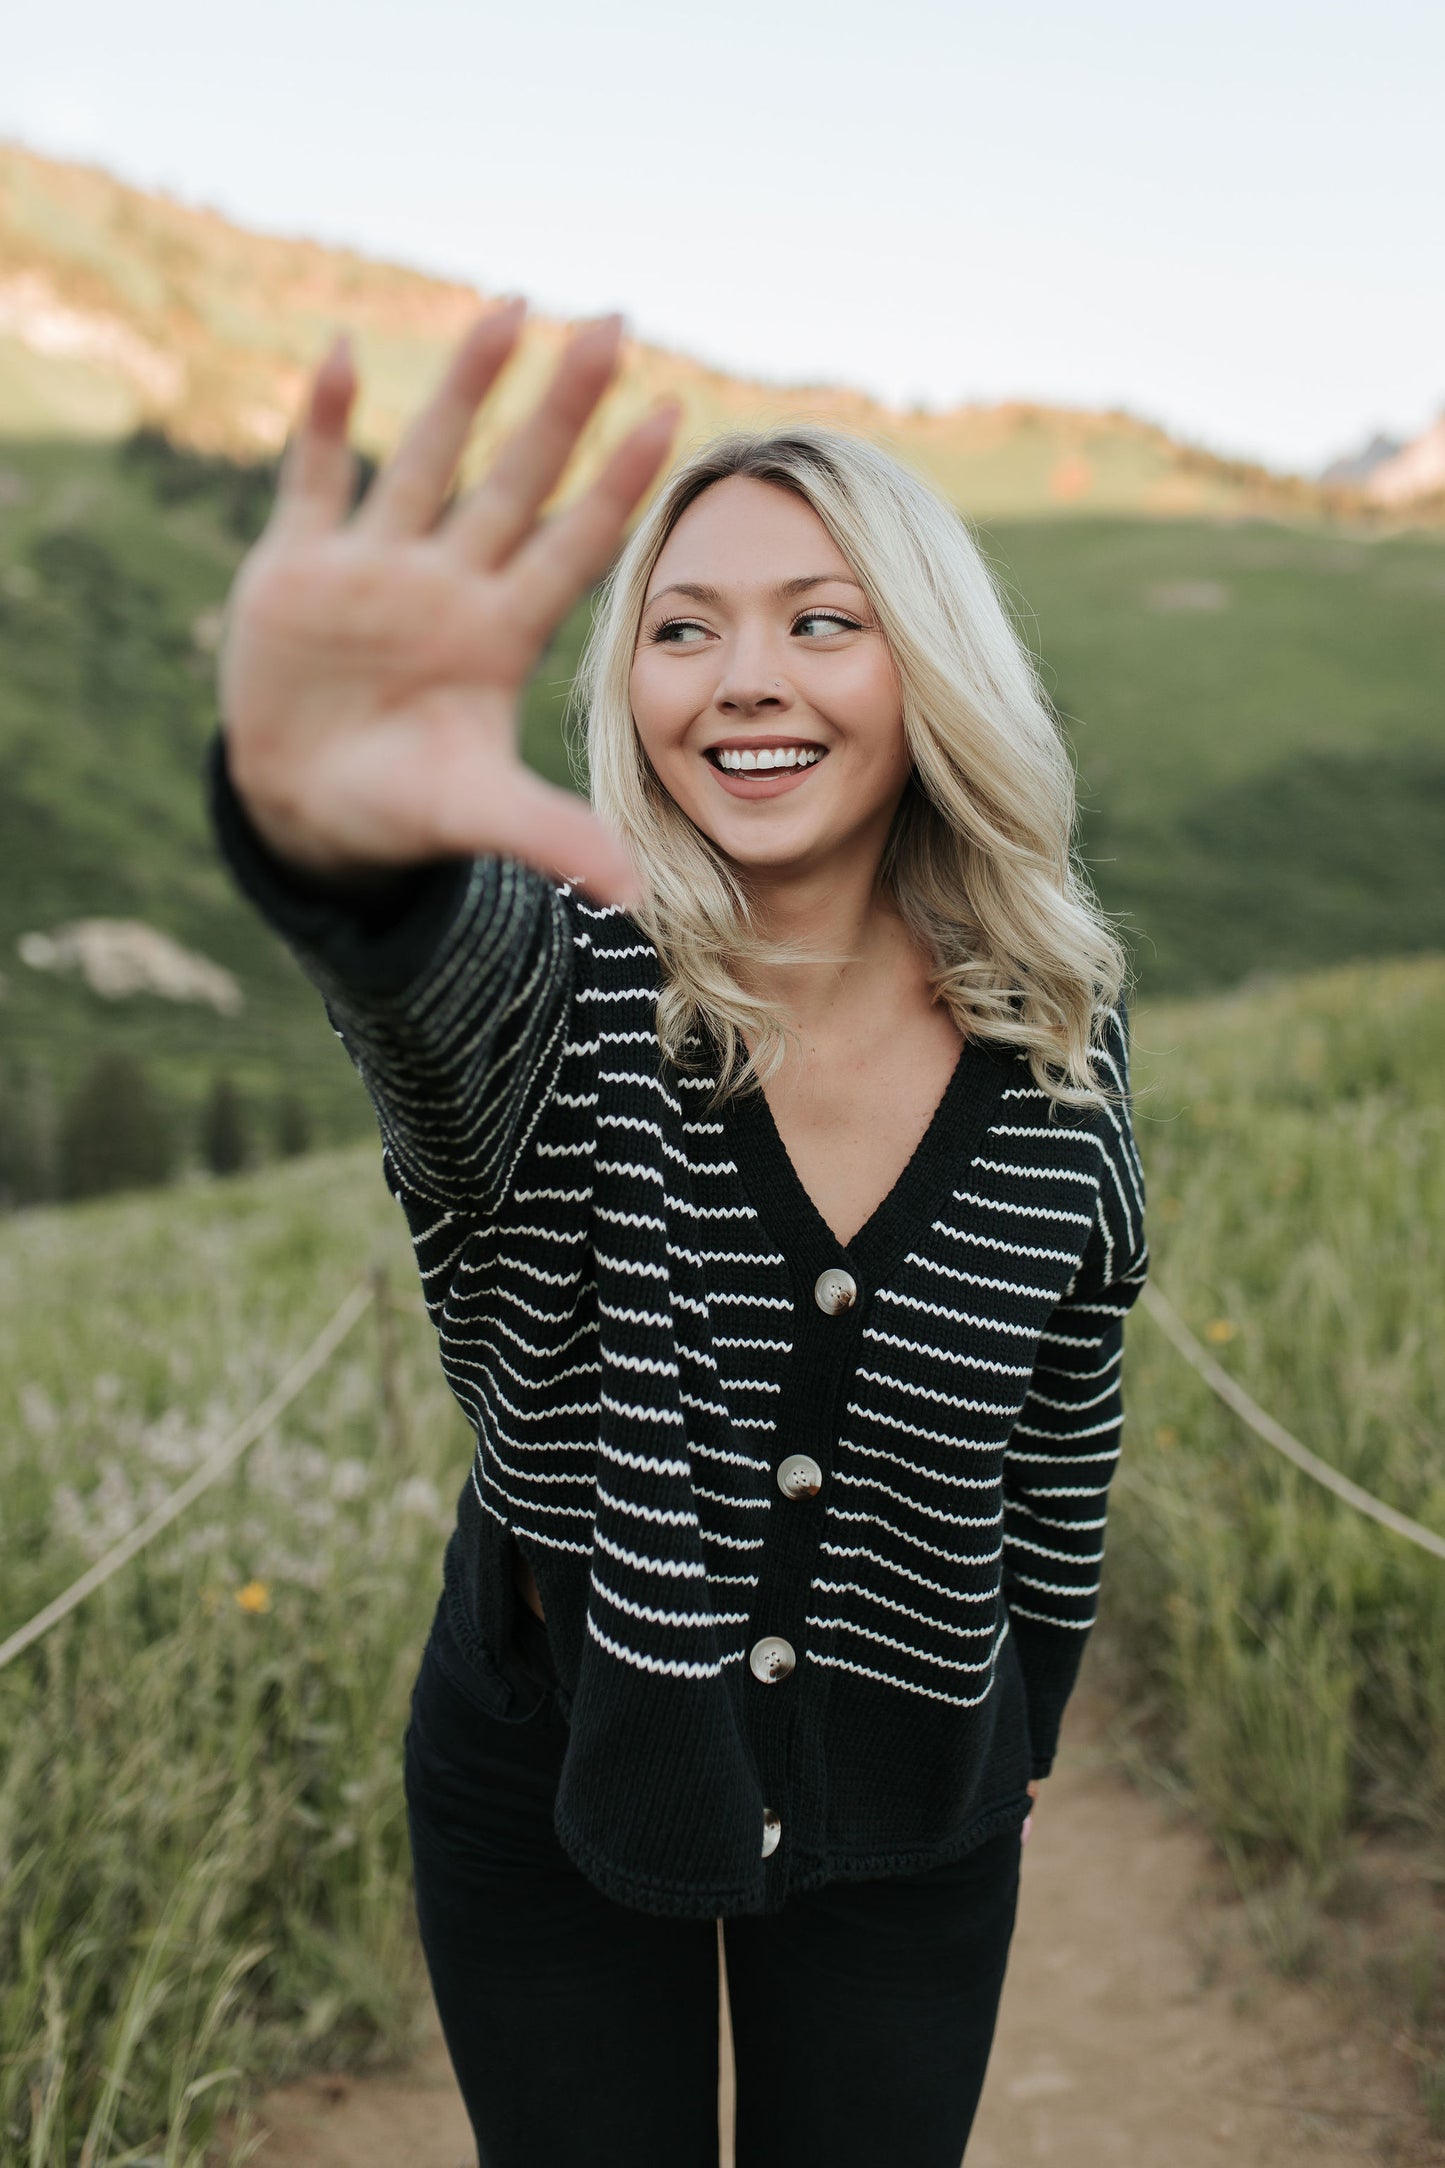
{"x":200,"y":1770}
{"x":1255,"y":712}
{"x":1258,"y":714}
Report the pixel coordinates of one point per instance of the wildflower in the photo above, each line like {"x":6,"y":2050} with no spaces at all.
{"x":418,"y":1494}
{"x":38,"y":1411}
{"x":1166,"y":1434}
{"x":255,"y":1596}
{"x":1220,"y":1329}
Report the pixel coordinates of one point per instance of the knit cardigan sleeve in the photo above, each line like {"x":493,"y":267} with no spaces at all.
{"x":449,"y":988}
{"x":1065,"y":1445}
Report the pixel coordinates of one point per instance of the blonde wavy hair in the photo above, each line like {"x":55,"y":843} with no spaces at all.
{"x":979,"y":858}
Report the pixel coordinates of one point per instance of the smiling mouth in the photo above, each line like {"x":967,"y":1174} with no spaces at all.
{"x":788,"y":760}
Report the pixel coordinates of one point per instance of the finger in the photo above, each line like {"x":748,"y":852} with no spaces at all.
{"x":551,"y":829}
{"x":318,"y":466}
{"x":409,"y":492}
{"x":565,"y":557}
{"x":1028,"y":1823}
{"x":494,"y":515}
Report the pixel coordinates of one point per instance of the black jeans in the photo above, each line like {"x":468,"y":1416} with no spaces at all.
{"x":584,"y":2033}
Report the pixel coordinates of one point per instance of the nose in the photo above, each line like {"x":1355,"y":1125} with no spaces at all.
{"x":750,"y":689}
{"x":736,"y":699}
{"x":749,"y":680}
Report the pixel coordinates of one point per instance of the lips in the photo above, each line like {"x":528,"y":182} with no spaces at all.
{"x":763,"y":782}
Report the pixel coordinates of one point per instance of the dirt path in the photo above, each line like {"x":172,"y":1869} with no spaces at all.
{"x":1138,"y":2029}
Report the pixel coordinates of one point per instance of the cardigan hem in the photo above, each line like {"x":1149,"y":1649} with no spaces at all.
{"x":676,"y":1900}
{"x":986,"y":1822}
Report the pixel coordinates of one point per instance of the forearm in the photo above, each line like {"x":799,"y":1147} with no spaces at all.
{"x":447,"y":984}
{"x":1057,"y":1470}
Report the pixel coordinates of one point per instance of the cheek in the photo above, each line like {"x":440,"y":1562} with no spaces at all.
{"x":869,"y":706}
{"x":654,"y":712}
{"x":659,"y":732}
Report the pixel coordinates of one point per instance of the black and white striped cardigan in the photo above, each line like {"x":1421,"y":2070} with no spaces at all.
{"x":766,"y":1687}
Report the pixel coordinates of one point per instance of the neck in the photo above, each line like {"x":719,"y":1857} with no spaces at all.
{"x":839,"y":912}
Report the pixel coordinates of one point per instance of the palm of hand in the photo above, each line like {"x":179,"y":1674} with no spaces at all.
{"x":420,"y":656}
{"x":371,"y":670}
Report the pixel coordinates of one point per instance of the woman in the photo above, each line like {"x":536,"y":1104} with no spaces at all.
{"x":763,"y":1134}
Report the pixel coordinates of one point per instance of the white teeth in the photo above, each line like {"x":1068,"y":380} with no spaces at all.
{"x":791,"y":756}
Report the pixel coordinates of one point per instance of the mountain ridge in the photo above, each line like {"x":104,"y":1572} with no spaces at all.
{"x":122,"y":308}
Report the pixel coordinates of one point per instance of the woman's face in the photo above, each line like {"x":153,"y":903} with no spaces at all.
{"x":756,"y":640}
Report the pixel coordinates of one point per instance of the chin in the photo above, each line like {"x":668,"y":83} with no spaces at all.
{"x":779,"y":857}
{"x":778,"y":828}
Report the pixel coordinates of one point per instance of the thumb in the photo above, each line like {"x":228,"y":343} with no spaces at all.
{"x":558,"y":832}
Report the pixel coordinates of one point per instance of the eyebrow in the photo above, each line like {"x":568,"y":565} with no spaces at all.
{"x":702,"y":593}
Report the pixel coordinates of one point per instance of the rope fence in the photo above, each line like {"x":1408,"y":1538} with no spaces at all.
{"x":1264,"y":1425}
{"x":210,"y":1470}
{"x":373,"y":1290}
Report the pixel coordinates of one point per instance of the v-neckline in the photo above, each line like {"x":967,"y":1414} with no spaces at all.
{"x":949,"y":1142}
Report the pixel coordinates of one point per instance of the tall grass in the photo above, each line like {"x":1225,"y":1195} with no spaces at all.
{"x":201,"y":1826}
{"x":1287,"y":1652}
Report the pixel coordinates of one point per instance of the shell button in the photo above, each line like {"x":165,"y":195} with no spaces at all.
{"x":771,"y":1659}
{"x":772,"y":1831}
{"x":835,"y":1290}
{"x":799,"y":1476}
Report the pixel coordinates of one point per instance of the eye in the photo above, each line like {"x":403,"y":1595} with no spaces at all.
{"x":833,"y":619}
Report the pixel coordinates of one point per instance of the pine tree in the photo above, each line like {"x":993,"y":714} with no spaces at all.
{"x":29,"y":1137}
{"x":12,"y":1145}
{"x":292,"y":1126}
{"x":114,"y":1133}
{"x":225,"y":1133}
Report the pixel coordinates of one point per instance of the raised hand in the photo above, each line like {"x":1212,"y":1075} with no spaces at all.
{"x":371,"y":665}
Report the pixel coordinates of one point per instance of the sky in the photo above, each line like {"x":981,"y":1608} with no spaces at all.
{"x":1230,"y":221}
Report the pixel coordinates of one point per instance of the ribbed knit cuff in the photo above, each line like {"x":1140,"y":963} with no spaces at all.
{"x":1049,"y":1657}
{"x":377,"y":941}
